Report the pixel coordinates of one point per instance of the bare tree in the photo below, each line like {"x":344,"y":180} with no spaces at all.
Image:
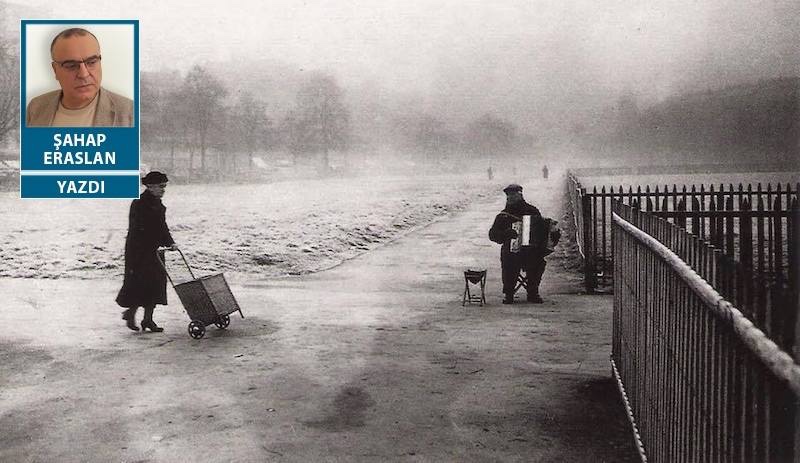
{"x":251,"y":126}
{"x":9,"y":84}
{"x":489,"y":134}
{"x":200,"y":104}
{"x":426,"y":136}
{"x":321,"y":122}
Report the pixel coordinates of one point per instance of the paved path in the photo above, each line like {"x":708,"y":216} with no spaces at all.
{"x":374,"y":360}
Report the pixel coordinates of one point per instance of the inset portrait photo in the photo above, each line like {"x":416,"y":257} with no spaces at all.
{"x":79,"y":75}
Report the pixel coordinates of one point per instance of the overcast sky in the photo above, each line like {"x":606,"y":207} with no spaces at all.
{"x":544,"y":53}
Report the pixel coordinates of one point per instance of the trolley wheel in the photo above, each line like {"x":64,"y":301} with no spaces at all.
{"x":196,"y":330}
{"x":223,"y":321}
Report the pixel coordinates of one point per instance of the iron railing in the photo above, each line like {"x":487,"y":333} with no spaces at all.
{"x":723,"y":215}
{"x":702,"y":346}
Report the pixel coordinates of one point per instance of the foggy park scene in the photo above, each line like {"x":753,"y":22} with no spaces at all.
{"x":361,"y":179}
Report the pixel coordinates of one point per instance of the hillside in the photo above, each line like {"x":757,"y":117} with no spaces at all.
{"x":755,"y":122}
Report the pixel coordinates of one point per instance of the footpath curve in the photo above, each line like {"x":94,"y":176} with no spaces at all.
{"x":373,"y":360}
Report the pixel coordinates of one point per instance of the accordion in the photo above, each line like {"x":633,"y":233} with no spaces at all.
{"x":531,"y":235}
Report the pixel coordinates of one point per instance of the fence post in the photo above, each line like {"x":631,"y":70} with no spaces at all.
{"x":729,"y":226}
{"x":697,"y":221}
{"x":793,"y":238}
{"x":589,"y":271}
{"x":680,"y":220}
{"x":794,"y":294}
{"x":712,"y":220}
{"x":746,"y":234}
{"x":777,"y":248}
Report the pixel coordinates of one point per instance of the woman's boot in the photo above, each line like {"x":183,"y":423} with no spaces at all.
{"x":147,"y":321}
{"x":129,"y":315}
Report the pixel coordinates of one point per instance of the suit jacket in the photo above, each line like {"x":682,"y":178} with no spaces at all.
{"x":112,"y":110}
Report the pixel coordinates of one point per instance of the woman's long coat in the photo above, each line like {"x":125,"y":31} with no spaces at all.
{"x":145,"y":282}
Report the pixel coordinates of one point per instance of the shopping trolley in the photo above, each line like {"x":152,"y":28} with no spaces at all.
{"x":207,"y":300}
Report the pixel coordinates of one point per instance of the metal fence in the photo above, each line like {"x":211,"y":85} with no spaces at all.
{"x":702,"y":346}
{"x":584,"y":216}
{"x":654,"y":169}
{"x":752,"y":224}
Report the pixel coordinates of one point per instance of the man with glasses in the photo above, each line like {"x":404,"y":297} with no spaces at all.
{"x":81,"y":102}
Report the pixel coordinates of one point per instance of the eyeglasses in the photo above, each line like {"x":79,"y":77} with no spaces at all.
{"x":72,"y":65}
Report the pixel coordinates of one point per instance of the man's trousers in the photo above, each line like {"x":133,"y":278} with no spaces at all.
{"x":512,"y":264}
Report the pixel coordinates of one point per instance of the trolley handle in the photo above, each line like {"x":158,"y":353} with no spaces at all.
{"x":164,"y":266}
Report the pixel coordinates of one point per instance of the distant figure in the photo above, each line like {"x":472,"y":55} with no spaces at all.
{"x":528,"y":258}
{"x":490,"y":173}
{"x":545,"y":172}
{"x":145,"y":281}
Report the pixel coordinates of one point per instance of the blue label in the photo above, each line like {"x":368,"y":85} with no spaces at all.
{"x":82,"y":162}
{"x":79,"y":186}
{"x":92,"y":148}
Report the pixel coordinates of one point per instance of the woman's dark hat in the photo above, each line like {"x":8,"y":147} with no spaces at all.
{"x":154,"y":177}
{"x":512,"y":187}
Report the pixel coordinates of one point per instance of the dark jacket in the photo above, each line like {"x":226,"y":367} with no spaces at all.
{"x":502,"y":233}
{"x":145,"y":282}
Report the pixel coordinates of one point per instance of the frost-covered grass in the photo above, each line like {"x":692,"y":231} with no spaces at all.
{"x":249,"y":231}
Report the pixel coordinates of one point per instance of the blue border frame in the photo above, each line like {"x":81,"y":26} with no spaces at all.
{"x":30,"y":131}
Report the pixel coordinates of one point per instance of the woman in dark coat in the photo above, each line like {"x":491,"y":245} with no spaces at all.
{"x":145,"y":283}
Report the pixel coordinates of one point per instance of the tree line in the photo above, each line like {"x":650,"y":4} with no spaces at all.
{"x":197,"y":114}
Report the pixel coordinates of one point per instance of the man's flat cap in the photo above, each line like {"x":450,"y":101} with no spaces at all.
{"x":512,"y":187}
{"x":154,"y":177}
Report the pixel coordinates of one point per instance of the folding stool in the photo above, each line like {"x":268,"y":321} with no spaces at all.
{"x":474,"y":277}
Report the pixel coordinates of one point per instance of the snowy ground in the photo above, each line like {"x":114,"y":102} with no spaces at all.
{"x":373,"y":360}
{"x":247,"y":231}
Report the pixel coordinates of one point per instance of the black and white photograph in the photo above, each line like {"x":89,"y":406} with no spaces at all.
{"x":410,"y":231}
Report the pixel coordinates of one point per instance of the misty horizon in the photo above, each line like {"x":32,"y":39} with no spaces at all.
{"x":536,"y":64}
